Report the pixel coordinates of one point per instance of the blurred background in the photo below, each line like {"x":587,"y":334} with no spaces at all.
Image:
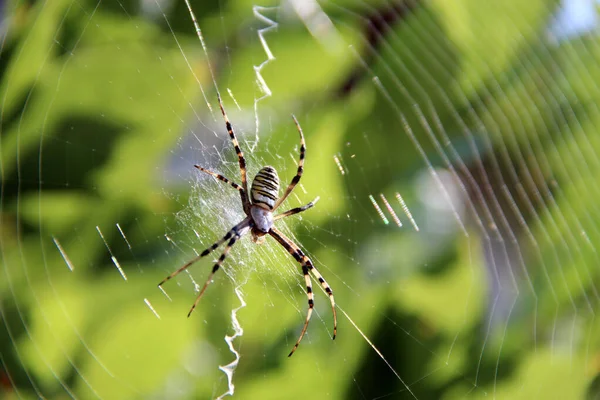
{"x":454,"y":147}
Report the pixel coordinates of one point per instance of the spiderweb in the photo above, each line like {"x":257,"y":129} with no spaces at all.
{"x":453,"y":147}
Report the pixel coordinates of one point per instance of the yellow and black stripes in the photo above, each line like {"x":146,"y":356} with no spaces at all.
{"x":265,"y":188}
{"x":240,"y":155}
{"x":307,"y":266}
{"x":300,"y":170}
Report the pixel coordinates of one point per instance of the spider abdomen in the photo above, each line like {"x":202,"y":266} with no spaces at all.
{"x":265,"y":188}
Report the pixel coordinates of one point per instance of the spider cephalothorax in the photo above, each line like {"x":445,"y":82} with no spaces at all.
{"x":259,"y":208}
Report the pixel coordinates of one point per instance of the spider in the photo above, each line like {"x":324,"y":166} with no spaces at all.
{"x":259,"y":209}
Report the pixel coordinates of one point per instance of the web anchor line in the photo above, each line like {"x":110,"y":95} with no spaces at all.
{"x":377,"y":351}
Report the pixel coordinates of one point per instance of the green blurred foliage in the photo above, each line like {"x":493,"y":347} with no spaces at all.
{"x":97,"y":100}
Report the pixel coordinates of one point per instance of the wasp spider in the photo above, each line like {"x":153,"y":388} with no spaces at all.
{"x":259,"y":209}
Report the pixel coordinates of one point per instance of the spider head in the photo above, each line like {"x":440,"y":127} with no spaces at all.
{"x":258,"y":237}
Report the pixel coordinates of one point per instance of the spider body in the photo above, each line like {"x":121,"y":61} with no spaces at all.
{"x":263,"y":195}
{"x":259,"y":208}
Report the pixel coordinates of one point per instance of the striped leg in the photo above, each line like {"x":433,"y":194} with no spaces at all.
{"x":307,"y":266}
{"x":236,"y":230}
{"x":296,"y":210}
{"x":240,"y":155}
{"x":216,"y":267}
{"x":221,"y":178}
{"x":311,"y":305}
{"x":296,"y":178}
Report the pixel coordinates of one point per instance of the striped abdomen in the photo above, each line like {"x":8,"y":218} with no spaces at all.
{"x":265,"y":188}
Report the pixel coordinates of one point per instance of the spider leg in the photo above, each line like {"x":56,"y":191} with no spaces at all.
{"x":216,"y":267}
{"x":307,"y":266}
{"x":240,"y":155}
{"x":234,"y":231}
{"x":296,"y":178}
{"x":221,"y":178}
{"x":296,"y":210}
{"x":233,"y":184}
